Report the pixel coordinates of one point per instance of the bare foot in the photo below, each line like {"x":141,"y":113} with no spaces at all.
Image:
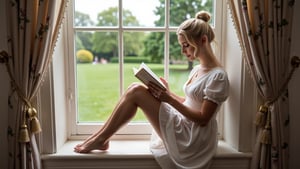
{"x":90,"y":145}
{"x":88,"y":139}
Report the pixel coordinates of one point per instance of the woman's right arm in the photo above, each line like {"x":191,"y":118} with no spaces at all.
{"x":178,"y":98}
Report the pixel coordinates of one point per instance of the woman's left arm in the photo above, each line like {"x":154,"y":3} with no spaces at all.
{"x":201,"y":116}
{"x":215,"y":92}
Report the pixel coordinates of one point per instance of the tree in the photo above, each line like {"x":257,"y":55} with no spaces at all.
{"x":82,"y":19}
{"x":106,"y":43}
{"x":180,"y":10}
{"x":83,"y":39}
{"x":154,"y":46}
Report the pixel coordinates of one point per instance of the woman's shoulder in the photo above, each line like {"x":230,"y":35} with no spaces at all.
{"x":218,"y":72}
{"x":217,"y":76}
{"x":217,"y":86}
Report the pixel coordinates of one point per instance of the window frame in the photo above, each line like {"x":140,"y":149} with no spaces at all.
{"x":134,"y":130}
{"x":237,"y":120}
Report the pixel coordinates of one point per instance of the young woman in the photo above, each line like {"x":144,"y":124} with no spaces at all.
{"x":185,"y":127}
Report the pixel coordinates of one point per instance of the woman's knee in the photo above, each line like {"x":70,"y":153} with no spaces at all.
{"x":136,"y":88}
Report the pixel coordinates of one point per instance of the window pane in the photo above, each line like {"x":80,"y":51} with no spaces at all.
{"x":96,"y":13}
{"x":182,"y":10}
{"x":141,"y":47}
{"x":141,"y":12}
{"x":135,"y":52}
{"x":179,"y":67}
{"x":84,"y":40}
{"x":97,"y":80}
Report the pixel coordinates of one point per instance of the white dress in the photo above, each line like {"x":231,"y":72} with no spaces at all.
{"x":187,"y":144}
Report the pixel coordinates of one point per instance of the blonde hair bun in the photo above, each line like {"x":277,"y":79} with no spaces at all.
{"x":203,"y":15}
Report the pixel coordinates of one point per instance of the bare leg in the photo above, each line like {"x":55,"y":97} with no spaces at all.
{"x":110,"y":118}
{"x":134,"y":97}
{"x":98,"y":132}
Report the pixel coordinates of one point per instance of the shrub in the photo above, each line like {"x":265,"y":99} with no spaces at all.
{"x":84,"y":56}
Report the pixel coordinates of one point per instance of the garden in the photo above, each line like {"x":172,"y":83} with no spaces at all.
{"x":98,"y":87}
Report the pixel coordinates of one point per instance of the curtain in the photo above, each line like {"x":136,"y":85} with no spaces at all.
{"x":32,"y":30}
{"x":264,"y":30}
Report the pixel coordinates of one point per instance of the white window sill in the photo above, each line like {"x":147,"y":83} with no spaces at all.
{"x":132,"y":154}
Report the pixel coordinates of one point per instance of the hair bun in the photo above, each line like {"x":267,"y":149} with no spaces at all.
{"x":203,"y":15}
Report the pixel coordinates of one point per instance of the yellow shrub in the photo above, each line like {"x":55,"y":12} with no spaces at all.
{"x":84,"y":56}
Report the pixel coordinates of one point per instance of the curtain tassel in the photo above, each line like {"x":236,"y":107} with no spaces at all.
{"x":24,"y":135}
{"x":261,"y":116}
{"x":266,"y":137}
{"x":35,"y":126}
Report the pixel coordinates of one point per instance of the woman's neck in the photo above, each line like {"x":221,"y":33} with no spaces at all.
{"x":207,"y":59}
{"x":207,"y":62}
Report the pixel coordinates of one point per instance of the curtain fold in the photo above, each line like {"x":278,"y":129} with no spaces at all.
{"x":264,"y":31}
{"x":32,"y":27}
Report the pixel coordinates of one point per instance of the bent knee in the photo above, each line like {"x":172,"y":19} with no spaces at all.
{"x":135,"y":88}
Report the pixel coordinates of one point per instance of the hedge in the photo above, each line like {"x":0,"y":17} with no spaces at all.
{"x":132,"y":59}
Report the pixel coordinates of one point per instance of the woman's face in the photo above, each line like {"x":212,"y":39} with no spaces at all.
{"x":186,"y":48}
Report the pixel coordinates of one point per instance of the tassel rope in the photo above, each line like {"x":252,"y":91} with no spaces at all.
{"x":31,"y":112}
{"x":263,"y":116}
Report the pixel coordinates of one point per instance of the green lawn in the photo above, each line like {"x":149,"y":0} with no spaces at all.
{"x":98,"y":87}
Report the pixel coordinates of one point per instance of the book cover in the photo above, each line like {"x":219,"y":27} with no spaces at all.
{"x":145,"y":75}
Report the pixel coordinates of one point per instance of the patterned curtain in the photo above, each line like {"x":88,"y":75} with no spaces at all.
{"x":32,"y":27}
{"x":264,"y":29}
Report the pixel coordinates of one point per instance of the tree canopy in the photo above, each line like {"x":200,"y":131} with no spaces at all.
{"x":106,"y":43}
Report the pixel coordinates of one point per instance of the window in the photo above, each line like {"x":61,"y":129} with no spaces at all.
{"x":57,"y":92}
{"x":107,"y":38}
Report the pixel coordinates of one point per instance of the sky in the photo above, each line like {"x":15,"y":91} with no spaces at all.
{"x":141,"y":9}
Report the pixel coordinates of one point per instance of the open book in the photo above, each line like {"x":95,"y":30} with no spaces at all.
{"x":146,"y":75}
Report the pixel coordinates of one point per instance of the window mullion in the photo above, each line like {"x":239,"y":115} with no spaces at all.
{"x":121,"y":47}
{"x":167,"y":40}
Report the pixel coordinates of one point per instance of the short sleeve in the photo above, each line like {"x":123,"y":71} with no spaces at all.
{"x":217,"y":87}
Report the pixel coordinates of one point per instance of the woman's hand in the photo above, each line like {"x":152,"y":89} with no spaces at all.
{"x":159,"y":93}
{"x":163,"y":80}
